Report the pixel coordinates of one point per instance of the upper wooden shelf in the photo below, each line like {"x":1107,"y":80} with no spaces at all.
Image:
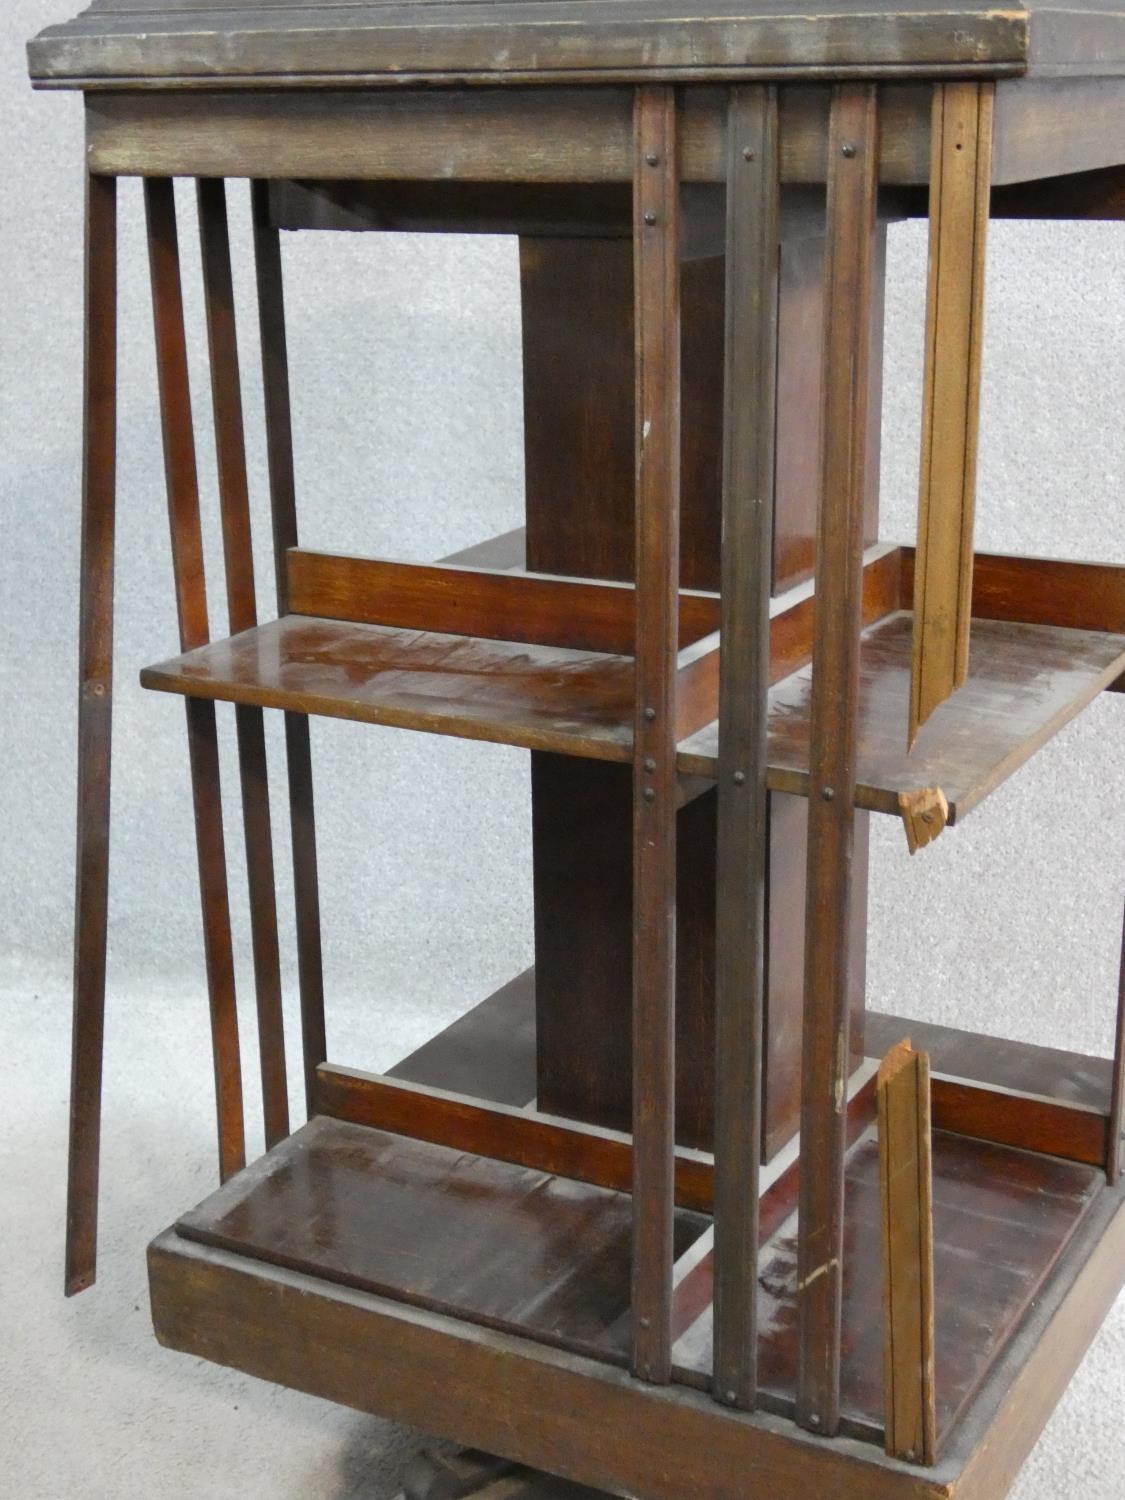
{"x":180,"y":43}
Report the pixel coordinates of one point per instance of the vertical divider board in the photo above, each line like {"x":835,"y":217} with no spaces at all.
{"x":191,"y":609}
{"x":95,"y":725}
{"x":906,"y":1204}
{"x":298,"y":745}
{"x":752,"y":269}
{"x":825,"y":1065}
{"x":656,"y":228}
{"x":238,"y":556}
{"x":960,"y":188}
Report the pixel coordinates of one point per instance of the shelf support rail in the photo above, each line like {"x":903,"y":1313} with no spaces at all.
{"x":656,"y":231}
{"x":182,"y":483}
{"x":752,"y":272}
{"x":850,"y":265}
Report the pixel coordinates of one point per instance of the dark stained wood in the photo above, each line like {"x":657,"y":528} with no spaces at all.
{"x":95,"y":718}
{"x":753,"y":193}
{"x":906,"y":1201}
{"x":1076,"y":1132}
{"x":499,"y":605}
{"x":489,"y":1052}
{"x":497,"y":1244}
{"x":1117,"y":1097}
{"x":826,"y":1055}
{"x":1017,"y":1066}
{"x":511,"y":1133}
{"x":298,"y":749}
{"x":242,"y":613}
{"x":566,"y":42}
{"x":1026,"y":682}
{"x":656,"y":294}
{"x":1003,"y":1219}
{"x":191,"y":607}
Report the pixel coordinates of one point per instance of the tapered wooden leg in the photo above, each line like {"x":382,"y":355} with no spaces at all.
{"x":656,"y":293}
{"x":95,"y":698}
{"x":743,"y":830}
{"x":230,"y":449}
{"x":298,"y":748}
{"x":852,"y":185}
{"x":191,"y":606}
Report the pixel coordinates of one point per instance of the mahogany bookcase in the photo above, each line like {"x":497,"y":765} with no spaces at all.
{"x":673,"y":1215}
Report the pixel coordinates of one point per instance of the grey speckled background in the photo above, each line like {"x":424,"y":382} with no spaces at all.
{"x":1008,"y":925}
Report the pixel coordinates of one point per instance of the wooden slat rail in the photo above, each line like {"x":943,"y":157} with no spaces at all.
{"x":502,"y":605}
{"x":849,"y":277}
{"x":656,"y":232}
{"x":191,"y":607}
{"x":960,"y":184}
{"x":1033,"y":1122}
{"x":567,"y":1148}
{"x":752,"y":269}
{"x":238,"y":556}
{"x":95,"y":698}
{"x":906,"y":1201}
{"x":298,"y":749}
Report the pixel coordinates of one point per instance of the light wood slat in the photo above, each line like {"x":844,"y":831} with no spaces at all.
{"x":961,"y":177}
{"x":906,"y":1199}
{"x":95,"y":716}
{"x":238,"y":556}
{"x":752,"y":261}
{"x":656,"y":196}
{"x":191,"y":604}
{"x":298,"y":748}
{"x":852,"y":191}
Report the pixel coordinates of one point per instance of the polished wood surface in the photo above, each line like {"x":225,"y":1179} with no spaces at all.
{"x":833,"y":745}
{"x":501,"y":1245}
{"x":95,"y":720}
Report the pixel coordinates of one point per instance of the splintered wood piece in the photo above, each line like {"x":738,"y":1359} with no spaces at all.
{"x":960,"y":184}
{"x":825,"y":1053}
{"x":238,"y":558}
{"x":95,"y":698}
{"x":298,"y":748}
{"x":752,"y":263}
{"x":906,"y":1200}
{"x":925,"y":814}
{"x":656,"y":237}
{"x":182,"y":484}
{"x":1117,"y":1103}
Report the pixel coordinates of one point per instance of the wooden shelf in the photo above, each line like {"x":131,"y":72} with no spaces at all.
{"x":1026,"y":681}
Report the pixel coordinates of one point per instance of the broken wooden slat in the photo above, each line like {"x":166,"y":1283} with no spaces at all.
{"x":903,"y":1095}
{"x":925,"y":814}
{"x":959,"y":197}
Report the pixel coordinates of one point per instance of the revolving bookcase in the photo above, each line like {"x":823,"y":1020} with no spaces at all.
{"x":674,"y":1214}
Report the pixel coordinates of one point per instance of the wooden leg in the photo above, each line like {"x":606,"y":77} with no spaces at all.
{"x":657,"y":329}
{"x":230,"y":448}
{"x":852,"y":186}
{"x":279,"y":447}
{"x":191,"y":604}
{"x":95,"y":698}
{"x":960,"y":187}
{"x":743,"y":832}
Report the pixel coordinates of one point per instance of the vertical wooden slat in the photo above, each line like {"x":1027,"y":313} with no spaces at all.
{"x":906,"y":1202}
{"x":191,"y":608}
{"x":960,"y":184}
{"x":752,"y":268}
{"x":238,"y":556}
{"x":656,"y":225}
{"x":95,"y":698}
{"x":852,"y":185}
{"x":298,"y":748}
{"x":1117,"y":1100}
